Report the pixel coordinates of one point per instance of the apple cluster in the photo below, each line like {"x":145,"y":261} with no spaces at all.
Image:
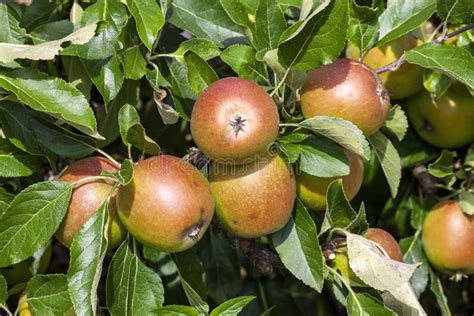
{"x":251,"y":187}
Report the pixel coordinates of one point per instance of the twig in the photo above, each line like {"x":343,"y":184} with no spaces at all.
{"x":262,"y":258}
{"x":397,"y":63}
{"x":426,"y":181}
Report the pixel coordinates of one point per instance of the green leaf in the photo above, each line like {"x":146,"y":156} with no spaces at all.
{"x":196,"y":17}
{"x":39,"y":208}
{"x":341,"y":131}
{"x":125,"y":175}
{"x":41,"y":11}
{"x":436,"y":288}
{"x":194,"y":299}
{"x":114,"y":16}
{"x":3,"y":291}
{"x":30,"y":132}
{"x":108,"y":115}
{"x":47,"y":50}
{"x":183,"y":96}
{"x":298,"y":247}
{"x":224,"y":282}
{"x":270,"y":24}
{"x":452,"y":60}
{"x":389,"y":160}
{"x":466,"y":202}
{"x":132,"y":287}
{"x":443,"y":166}
{"x":53,"y":31}
{"x":396,"y":122}
{"x":413,"y":151}
{"x":318,"y":156}
{"x":233,"y":306}
{"x":436,"y":82}
{"x":133,"y":62}
{"x":204,"y":48}
{"x":133,"y":132}
{"x":148,"y":19}
{"x":200,"y":74}
{"x":237,"y":12}
{"x":88,"y":250}
{"x":457,"y":12}
{"x":177,"y":310}
{"x":317,"y":40}
{"x":241,"y":58}
{"x":16,"y":163}
{"x":339,"y":211}
{"x":191,"y":271}
{"x":52,"y":96}
{"x":361,"y":304}
{"x":106,"y":74}
{"x":363,"y":25}
{"x":48,"y":295}
{"x":402,"y":16}
{"x":412,"y":248}
{"x":5,"y":200}
{"x":11,"y":31}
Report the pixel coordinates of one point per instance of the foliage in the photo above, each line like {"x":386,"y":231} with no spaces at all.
{"x":119,"y":78}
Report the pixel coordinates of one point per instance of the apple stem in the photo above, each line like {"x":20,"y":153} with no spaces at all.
{"x":92,"y":179}
{"x":397,"y":63}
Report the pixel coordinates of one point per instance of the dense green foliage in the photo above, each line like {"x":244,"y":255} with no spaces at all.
{"x":120,"y":78}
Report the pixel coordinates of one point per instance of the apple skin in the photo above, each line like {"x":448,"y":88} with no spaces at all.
{"x":234,"y":120}
{"x":448,"y":238}
{"x":256,"y":199}
{"x":20,"y":272}
{"x":349,"y":90}
{"x":385,"y":240}
{"x":87,"y":198}
{"x":312,"y":189}
{"x":168,"y":205}
{"x":447,"y":123}
{"x":401,"y":83}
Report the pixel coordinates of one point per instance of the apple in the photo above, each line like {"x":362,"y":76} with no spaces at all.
{"x":168,"y":205}
{"x":312,"y":189}
{"x":256,"y":199}
{"x":448,"y":238}
{"x":234,"y":120}
{"x":446,"y":122}
{"x":400,"y":83}
{"x":349,"y":90}
{"x":87,"y":198}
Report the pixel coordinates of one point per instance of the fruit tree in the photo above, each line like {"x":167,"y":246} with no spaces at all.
{"x":237,"y":157}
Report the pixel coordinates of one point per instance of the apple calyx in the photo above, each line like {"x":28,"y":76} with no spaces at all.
{"x":237,"y":124}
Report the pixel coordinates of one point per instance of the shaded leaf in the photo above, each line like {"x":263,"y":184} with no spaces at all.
{"x":200,"y":74}
{"x":241,"y":58}
{"x":389,"y":160}
{"x":443,"y":166}
{"x":16,"y":163}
